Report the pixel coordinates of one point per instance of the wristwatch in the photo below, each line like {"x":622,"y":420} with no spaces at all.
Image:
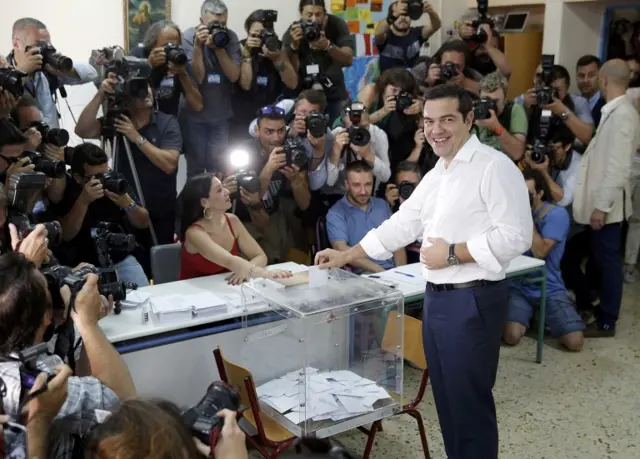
{"x":453,"y":260}
{"x":564,"y":116}
{"x":141,"y":141}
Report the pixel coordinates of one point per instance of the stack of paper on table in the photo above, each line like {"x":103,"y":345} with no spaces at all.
{"x":135,"y":298}
{"x":173,"y":308}
{"x":334,"y":395}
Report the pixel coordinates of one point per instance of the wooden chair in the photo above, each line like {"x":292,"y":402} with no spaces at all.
{"x":414,"y":353}
{"x":270,"y":433}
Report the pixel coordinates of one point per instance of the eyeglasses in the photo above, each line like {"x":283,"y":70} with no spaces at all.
{"x":271,"y":110}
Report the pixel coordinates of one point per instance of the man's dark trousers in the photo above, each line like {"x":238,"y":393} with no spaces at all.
{"x":604,"y":247}
{"x":462,"y":332}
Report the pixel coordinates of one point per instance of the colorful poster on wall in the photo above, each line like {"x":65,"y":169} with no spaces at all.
{"x":362,"y":17}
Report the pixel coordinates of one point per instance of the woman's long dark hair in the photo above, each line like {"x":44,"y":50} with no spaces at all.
{"x":196,"y":188}
{"x":401,"y":78}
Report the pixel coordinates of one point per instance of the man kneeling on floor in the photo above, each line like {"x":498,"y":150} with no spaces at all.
{"x":550,"y":228}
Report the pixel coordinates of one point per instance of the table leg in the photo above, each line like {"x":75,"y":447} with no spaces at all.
{"x":543,"y":313}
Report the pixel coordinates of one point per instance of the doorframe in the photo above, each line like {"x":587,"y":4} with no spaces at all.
{"x":604,"y":27}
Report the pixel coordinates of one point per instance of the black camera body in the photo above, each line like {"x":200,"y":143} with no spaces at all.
{"x":175,"y":54}
{"x":51,"y":56}
{"x":544,"y":91}
{"x":53,"y":136}
{"x":12,"y":80}
{"x":316,"y":124}
{"x":542,"y":145}
{"x":106,"y":240}
{"x":405,"y":189}
{"x":133,"y":78}
{"x":415,"y":9}
{"x":311,"y":30}
{"x":114,"y":182}
{"x":109,"y":283}
{"x":219,"y":34}
{"x":25,"y":227}
{"x":202,"y":419}
{"x":358,"y":135}
{"x":482,"y":108}
{"x":480,"y":36}
{"x":404,"y":100}
{"x":248,"y":180}
{"x":295,"y":153}
{"x":448,"y":70}
{"x":52,"y":169}
{"x":22,"y":190}
{"x":268,"y":35}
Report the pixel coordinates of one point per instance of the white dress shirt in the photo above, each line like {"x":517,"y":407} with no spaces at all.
{"x":481,"y":199}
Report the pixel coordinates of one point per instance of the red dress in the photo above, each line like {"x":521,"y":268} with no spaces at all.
{"x":195,"y":265}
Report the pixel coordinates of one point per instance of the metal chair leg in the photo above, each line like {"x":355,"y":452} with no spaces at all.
{"x":372,"y":436}
{"x":415,"y":414}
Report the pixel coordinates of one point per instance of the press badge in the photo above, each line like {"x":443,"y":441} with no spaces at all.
{"x":213,"y":79}
{"x":313,"y":69}
{"x":262,"y":81}
{"x":167,"y":83}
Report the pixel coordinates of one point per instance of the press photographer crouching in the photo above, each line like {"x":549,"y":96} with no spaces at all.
{"x":171,"y":74}
{"x":98,"y":202}
{"x":500,"y":123}
{"x":26,"y":312}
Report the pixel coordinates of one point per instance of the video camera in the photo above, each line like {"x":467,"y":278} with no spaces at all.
{"x":175,"y":54}
{"x":295,"y":153}
{"x":542,"y":145}
{"x":114,"y":182}
{"x":480,"y":36}
{"x":53,"y":136}
{"x":311,"y":30}
{"x":52,"y":169}
{"x":268,"y":36}
{"x":219,"y":34}
{"x":545,"y":93}
{"x":12,"y":80}
{"x":316,"y":124}
{"x":51,"y":56}
{"x":404,"y":100}
{"x":415,"y":9}
{"x":202,"y":419}
{"x":358,"y":135}
{"x":448,"y":71}
{"x":482,"y":108}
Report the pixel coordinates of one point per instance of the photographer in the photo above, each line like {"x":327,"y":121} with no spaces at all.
{"x":45,"y":76}
{"x":394,"y":107}
{"x":170,"y":77}
{"x":506,"y":127}
{"x":561,"y":170}
{"x":214,"y":53}
{"x":398,"y":43}
{"x":319,"y":46}
{"x":486,"y":57}
{"x":405,"y":180}
{"x":87,"y":202}
{"x":568,"y":109}
{"x":264,"y":72}
{"x":26,"y":310}
{"x":155,"y":141}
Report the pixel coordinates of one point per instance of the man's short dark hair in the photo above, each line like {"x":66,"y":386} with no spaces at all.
{"x":559,"y":72}
{"x":563,"y":135}
{"x":314,"y":97}
{"x":540,"y":182}
{"x":358,"y":166}
{"x":26,"y":101}
{"x":10,"y":134}
{"x":304,"y":3}
{"x":452,"y":91}
{"x":457,"y":46}
{"x":408,"y":166}
{"x":23,"y":302}
{"x":25,"y":23}
{"x":588,"y":60}
{"x":87,"y":153}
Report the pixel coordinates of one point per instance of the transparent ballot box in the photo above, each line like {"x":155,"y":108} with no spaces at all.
{"x":331,"y":361}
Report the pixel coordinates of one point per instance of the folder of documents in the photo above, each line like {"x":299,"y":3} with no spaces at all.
{"x":173,"y":308}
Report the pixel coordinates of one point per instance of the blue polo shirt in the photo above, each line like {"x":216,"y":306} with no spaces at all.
{"x":554,"y":225}
{"x":349,"y":223}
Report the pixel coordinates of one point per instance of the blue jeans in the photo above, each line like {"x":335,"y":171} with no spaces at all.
{"x":205,"y":145}
{"x":130,"y":271}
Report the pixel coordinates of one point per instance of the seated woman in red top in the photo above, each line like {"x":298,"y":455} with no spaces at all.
{"x":212,"y":239}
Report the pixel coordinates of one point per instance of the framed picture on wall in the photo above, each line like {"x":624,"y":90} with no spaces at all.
{"x":138,"y":17}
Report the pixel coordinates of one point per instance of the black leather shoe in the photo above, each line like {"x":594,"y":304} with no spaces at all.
{"x":599,"y":331}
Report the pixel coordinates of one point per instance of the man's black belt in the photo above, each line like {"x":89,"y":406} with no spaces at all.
{"x":447,"y":287}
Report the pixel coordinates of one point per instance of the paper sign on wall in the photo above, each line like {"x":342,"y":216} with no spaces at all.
{"x":364,"y":15}
{"x":337,"y":6}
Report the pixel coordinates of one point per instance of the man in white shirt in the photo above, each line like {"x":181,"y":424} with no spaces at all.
{"x":472,"y":210}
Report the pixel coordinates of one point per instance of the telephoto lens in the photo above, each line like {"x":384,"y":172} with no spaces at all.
{"x":52,"y":169}
{"x":113,"y":182}
{"x":175,"y":54}
{"x":53,"y":136}
{"x":12,"y":80}
{"x":403,"y":101}
{"x":219,"y":34}
{"x":316,"y":124}
{"x":405,"y":189}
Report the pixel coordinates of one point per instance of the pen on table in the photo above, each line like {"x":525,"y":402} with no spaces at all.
{"x":374,"y":277}
{"x":405,"y":274}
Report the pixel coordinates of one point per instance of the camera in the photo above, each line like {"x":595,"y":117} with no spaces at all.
{"x":358,"y":135}
{"x":268,"y":35}
{"x":12,"y":80}
{"x":133,"y":78}
{"x":53,"y":136}
{"x":25,"y":227}
{"x":248,"y":180}
{"x":404,"y":100}
{"x":295,"y":153}
{"x":108,"y":281}
{"x":405,"y":189}
{"x":542,"y":145}
{"x":175,"y":54}
{"x":480,"y":36}
{"x":482,"y":108}
{"x":53,"y":169}
{"x":448,"y":71}
{"x":23,"y":189}
{"x":107,"y":240}
{"x":52,"y":57}
{"x":202,"y":419}
{"x":114,"y":182}
{"x":219,"y":34}
{"x":544,"y":91}
{"x":316,"y":124}
{"x":415,"y":9}
{"x":311,"y":30}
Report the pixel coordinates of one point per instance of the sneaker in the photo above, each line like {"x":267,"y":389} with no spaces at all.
{"x":600,"y":331}
{"x":629,"y":275}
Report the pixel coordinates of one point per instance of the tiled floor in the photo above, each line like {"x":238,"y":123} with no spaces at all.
{"x":584,"y":405}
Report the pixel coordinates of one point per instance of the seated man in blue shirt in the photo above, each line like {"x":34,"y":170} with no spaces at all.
{"x":551,"y":226}
{"x":356,"y":214}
